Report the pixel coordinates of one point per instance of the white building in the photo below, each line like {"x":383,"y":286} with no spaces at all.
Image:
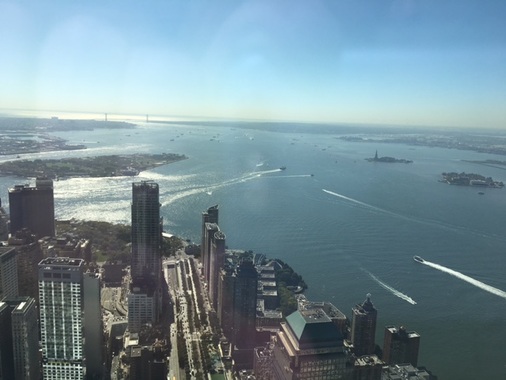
{"x":61,"y":322}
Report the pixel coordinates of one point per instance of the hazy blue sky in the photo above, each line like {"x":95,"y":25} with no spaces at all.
{"x":427,"y":62}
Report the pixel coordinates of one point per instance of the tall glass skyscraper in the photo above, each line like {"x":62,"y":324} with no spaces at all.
{"x":144,"y":299}
{"x":146,"y":233}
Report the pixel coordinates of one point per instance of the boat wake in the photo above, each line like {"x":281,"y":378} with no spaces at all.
{"x":463,"y":277}
{"x":427,"y":222}
{"x":209,"y":189}
{"x":394,"y":291}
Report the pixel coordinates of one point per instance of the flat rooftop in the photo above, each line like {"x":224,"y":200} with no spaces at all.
{"x":66,"y":261}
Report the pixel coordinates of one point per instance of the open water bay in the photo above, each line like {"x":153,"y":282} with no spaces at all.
{"x":348,"y":226}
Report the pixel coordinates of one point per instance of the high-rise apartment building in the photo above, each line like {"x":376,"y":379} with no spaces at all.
{"x":33,"y":208}
{"x":363,"y":327}
{"x":8,"y":273}
{"x":144,"y":299}
{"x":61,"y":318}
{"x":400,"y":346}
{"x":19,"y":339}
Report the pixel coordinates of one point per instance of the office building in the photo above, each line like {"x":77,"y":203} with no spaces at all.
{"x":363,"y":327}
{"x":209,"y":216}
{"x":309,"y":346}
{"x":144,"y":299}
{"x":146,"y":233}
{"x":367,"y":367}
{"x":400,"y":346}
{"x":6,"y":349}
{"x":406,"y":371}
{"x":216,"y":261}
{"x":19,"y":340}
{"x":28,"y":256}
{"x":210,"y":230}
{"x":61,"y":322}
{"x":93,"y":326}
{"x":8,"y":273}
{"x":225,"y":308}
{"x":245,"y":303}
{"x":335,"y":315}
{"x":147,"y":362}
{"x":33,"y":208}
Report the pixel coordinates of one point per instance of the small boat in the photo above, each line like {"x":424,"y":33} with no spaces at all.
{"x":418,"y":259}
{"x":481,"y":192}
{"x":282,"y":168}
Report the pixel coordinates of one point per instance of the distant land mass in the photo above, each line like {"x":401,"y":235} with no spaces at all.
{"x":388,"y":159}
{"x":32,"y":135}
{"x":470,"y":179}
{"x":483,"y":141}
{"x":493,"y":163}
{"x":100,"y":166}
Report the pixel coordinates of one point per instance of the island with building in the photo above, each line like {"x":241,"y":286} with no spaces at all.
{"x":387,"y":159}
{"x":470,"y":179}
{"x":99,"y":166}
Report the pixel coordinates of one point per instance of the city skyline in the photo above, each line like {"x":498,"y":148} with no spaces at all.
{"x":396,"y":62}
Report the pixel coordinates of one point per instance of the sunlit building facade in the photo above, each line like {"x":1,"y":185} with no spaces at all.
{"x":61,"y":318}
{"x":363,"y":327}
{"x":309,"y":346}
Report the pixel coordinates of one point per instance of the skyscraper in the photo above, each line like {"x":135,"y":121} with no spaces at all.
{"x":6,"y":350}
{"x":216,"y":261}
{"x":61,"y":322}
{"x":93,"y":327}
{"x":400,"y":346}
{"x":309,"y":346}
{"x":146,"y":233}
{"x":8,"y":273}
{"x":19,"y":339}
{"x":144,"y":299}
{"x":33,"y":208}
{"x":245,"y":303}
{"x":209,"y":216}
{"x":363,"y":327}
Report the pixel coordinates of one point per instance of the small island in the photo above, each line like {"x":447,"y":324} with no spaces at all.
{"x":470,"y":179}
{"x":100,"y":166}
{"x":388,"y":159}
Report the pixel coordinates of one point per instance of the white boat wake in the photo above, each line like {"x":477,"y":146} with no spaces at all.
{"x":470,"y":280}
{"x":210,"y":188}
{"x":427,"y":222}
{"x":394,"y":291}
{"x":371,"y":207}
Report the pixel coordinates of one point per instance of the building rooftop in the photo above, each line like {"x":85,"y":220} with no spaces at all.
{"x":65,"y":261}
{"x":313,"y":327}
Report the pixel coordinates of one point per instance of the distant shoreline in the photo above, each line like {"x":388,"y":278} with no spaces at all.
{"x":99,"y":166}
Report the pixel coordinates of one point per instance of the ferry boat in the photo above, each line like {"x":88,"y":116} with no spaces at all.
{"x":418,"y":259}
